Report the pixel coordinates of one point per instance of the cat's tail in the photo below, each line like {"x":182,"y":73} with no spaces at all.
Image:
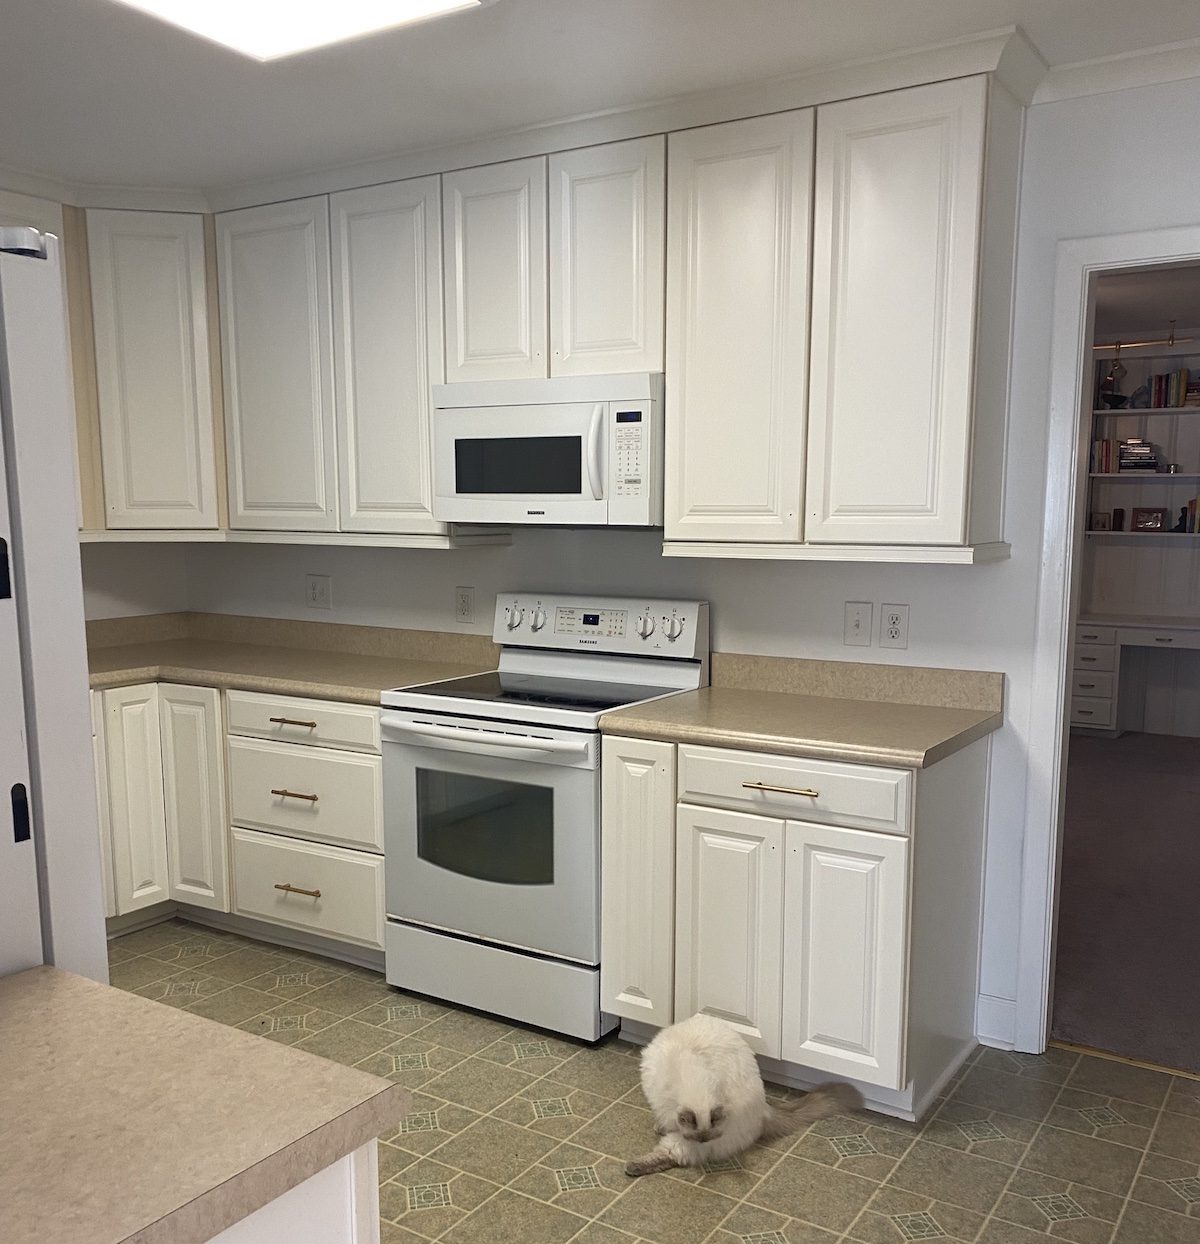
{"x":785,"y":1117}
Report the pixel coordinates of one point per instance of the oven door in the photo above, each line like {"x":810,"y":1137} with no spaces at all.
{"x":521,"y":464}
{"x":492,"y":831}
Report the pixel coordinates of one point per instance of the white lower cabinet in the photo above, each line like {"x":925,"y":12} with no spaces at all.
{"x":102,"y":817}
{"x":729,"y":921}
{"x":163,"y":785}
{"x":845,"y":938}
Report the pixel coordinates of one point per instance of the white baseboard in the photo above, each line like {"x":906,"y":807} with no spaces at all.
{"x":996,"y":1021}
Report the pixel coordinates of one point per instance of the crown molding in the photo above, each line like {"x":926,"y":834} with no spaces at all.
{"x":1172,"y":62}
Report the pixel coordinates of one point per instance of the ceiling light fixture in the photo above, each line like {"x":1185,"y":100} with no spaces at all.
{"x":269,"y":30}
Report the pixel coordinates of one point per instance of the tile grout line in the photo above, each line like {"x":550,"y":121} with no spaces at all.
{"x":1142,"y":1161}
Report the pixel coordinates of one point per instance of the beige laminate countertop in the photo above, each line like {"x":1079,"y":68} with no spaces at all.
{"x":318,"y":673}
{"x":910,"y":736}
{"x":126,"y":1120}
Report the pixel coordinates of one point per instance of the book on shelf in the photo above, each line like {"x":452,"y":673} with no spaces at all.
{"x":1169,"y":389}
{"x":1112,"y":456}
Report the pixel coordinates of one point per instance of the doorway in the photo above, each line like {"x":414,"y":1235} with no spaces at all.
{"x":1127,"y":954}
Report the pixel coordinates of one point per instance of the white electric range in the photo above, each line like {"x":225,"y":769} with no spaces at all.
{"x":492,"y":803}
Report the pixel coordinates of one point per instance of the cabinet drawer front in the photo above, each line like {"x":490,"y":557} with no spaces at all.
{"x":330,"y":796}
{"x":1095,"y":634}
{"x":1091,"y":712}
{"x":1166,"y":637}
{"x":349,"y":905}
{"x":1091,"y":686}
{"x":1095,"y":657}
{"x":861,"y":796}
{"x":291,"y":720}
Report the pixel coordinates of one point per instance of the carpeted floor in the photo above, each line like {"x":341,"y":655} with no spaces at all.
{"x":1127,"y":971}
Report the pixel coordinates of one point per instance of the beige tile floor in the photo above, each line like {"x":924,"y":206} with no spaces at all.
{"x":517,"y":1137}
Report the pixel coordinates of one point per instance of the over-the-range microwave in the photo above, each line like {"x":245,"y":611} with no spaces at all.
{"x":574,"y":450}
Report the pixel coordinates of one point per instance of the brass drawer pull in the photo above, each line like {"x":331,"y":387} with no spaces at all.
{"x":292,"y":794}
{"x":1087,"y":686}
{"x":1085,"y":712}
{"x":1164,"y":639}
{"x":295,"y":889}
{"x":1087,"y":658}
{"x":783,"y":790}
{"x":291,"y":721}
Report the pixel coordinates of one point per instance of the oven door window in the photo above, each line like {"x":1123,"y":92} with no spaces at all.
{"x":529,"y":465}
{"x":484,"y":828}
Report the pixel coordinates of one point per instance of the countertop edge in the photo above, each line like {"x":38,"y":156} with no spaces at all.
{"x":207,"y":1215}
{"x":224,"y":680}
{"x":814,"y":749}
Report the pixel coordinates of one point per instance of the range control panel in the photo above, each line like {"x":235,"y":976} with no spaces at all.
{"x":624,"y":625}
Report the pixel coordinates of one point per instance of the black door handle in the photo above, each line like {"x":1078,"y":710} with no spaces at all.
{"x":20,"y":808}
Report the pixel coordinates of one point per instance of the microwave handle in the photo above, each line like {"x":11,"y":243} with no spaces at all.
{"x":593,"y":451}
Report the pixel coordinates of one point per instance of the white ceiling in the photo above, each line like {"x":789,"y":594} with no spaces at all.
{"x":95,"y":92}
{"x":1133,"y":305}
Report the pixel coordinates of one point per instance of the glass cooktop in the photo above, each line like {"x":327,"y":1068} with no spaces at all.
{"x":579,"y":693}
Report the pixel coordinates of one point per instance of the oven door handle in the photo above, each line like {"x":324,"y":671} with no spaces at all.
{"x":593,"y":452}
{"x":468,"y":740}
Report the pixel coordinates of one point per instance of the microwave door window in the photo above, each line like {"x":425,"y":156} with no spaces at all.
{"x":526,"y":465}
{"x":486,"y":829}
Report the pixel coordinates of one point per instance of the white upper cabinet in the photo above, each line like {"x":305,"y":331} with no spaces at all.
{"x":495,"y":271}
{"x":152,"y":369}
{"x":896,"y":253}
{"x":606,"y":258}
{"x":387,"y":324}
{"x":273,"y":264}
{"x":739,"y":198}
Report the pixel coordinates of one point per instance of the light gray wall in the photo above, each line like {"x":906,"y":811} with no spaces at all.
{"x":1108,"y":163}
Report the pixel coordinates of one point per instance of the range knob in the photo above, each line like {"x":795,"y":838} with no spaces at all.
{"x":514,"y":617}
{"x":645,"y":626}
{"x":538,"y":620}
{"x":674,"y":628}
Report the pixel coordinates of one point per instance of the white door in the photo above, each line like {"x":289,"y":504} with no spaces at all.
{"x":495,"y":269}
{"x":607,"y":206}
{"x":637,"y":880}
{"x":387,"y":332}
{"x":136,"y":813}
{"x":197,"y":825}
{"x":20,"y":908}
{"x":102,"y":816}
{"x":846,"y":952}
{"x":273,"y":268}
{"x":899,"y":183}
{"x":149,"y":303}
{"x":739,"y":199}
{"x":729,"y":921}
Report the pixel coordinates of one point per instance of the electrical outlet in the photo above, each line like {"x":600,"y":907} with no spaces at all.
{"x":893,"y":626}
{"x":318,"y":591}
{"x":857,"y":627}
{"x":464,"y":605}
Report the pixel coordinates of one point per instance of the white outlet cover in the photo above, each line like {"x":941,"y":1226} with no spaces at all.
{"x":893,"y":626}
{"x":464,"y":605}
{"x":318,"y":591}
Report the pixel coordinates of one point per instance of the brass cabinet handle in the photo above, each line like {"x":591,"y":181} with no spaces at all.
{"x":1164,"y":639}
{"x":1085,"y":712}
{"x":295,"y":889}
{"x":1087,"y":686}
{"x":1087,"y":658}
{"x":783,"y":790}
{"x":1081,"y":637}
{"x":291,"y":721}
{"x":292,"y":794}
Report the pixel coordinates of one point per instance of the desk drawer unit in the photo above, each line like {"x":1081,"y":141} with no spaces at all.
{"x":309,"y":886}
{"x":1164,"y":637}
{"x":1096,"y":657}
{"x":318,"y":723}
{"x":1085,"y":634}
{"x":825,"y":791}
{"x":307,"y":792}
{"x":1085,"y":712}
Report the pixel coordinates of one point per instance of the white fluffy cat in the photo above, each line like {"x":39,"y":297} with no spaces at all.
{"x":705,"y":1090}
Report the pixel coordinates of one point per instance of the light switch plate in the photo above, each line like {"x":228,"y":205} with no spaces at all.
{"x":856,"y":630}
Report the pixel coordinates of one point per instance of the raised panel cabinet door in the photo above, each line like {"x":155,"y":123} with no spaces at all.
{"x":136,"y":811}
{"x":637,"y":880}
{"x":96,"y":700}
{"x":193,"y":749}
{"x":152,"y":369}
{"x":729,"y":921}
{"x":899,"y":186}
{"x":387,"y":336}
{"x":277,"y":353}
{"x":495,"y":271}
{"x":607,"y":209}
{"x":739,"y":210}
{"x":845,"y":952}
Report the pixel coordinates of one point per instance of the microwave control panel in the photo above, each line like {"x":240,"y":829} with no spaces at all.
{"x":635,"y":464}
